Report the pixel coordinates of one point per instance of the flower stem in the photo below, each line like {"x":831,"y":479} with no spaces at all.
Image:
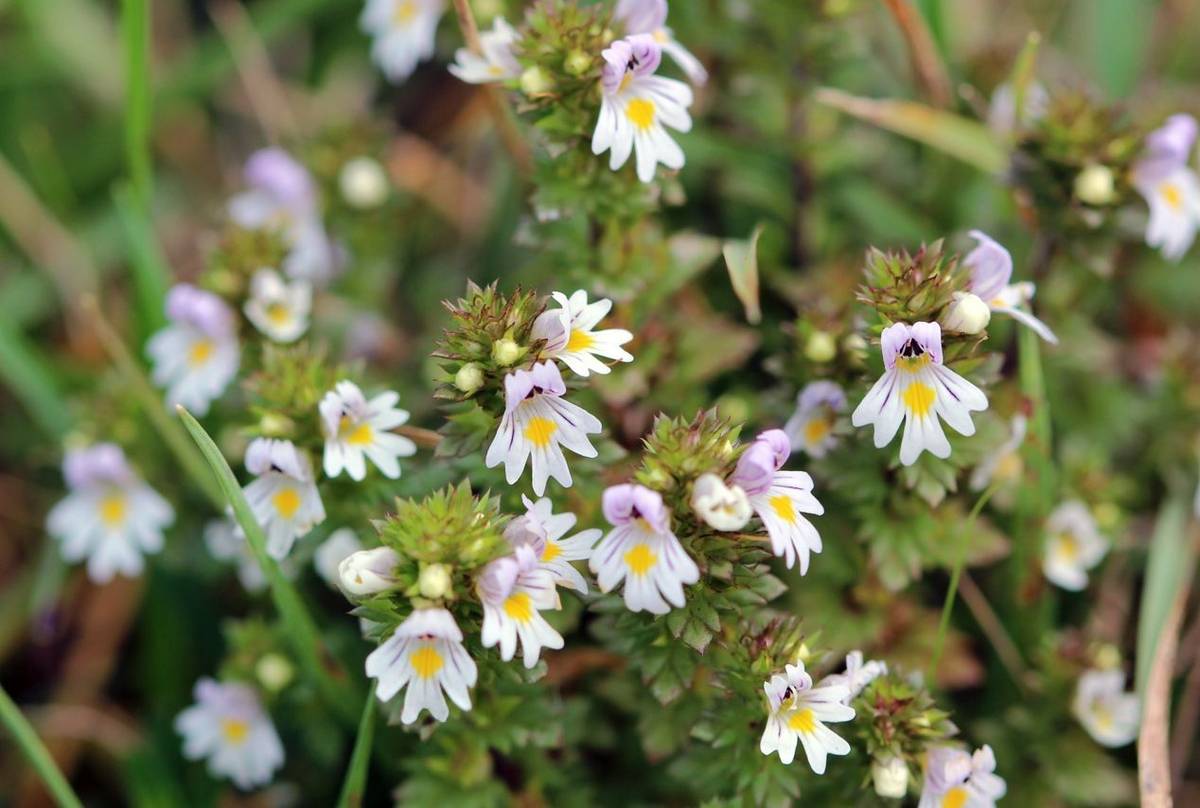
{"x":360,"y":758}
{"x":35,"y":750}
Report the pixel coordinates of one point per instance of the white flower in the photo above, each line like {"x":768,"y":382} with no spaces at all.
{"x":955,"y":779}
{"x":721,"y":507}
{"x":1003,"y":465}
{"x":538,"y":421}
{"x":403,"y":32}
{"x":1170,"y":186}
{"x":228,"y":726}
{"x":496,"y":63}
{"x":650,"y":17}
{"x":196,"y":356}
{"x":1107,"y":712}
{"x":857,"y":676}
{"x":363,"y":183}
{"x":284,"y":496}
{"x":356,"y":430}
{"x":1073,"y":546}
{"x":277,"y":308}
{"x":513,"y":612}
{"x":341,"y":543}
{"x":917,"y":388}
{"x":991,"y":268}
{"x":110,"y":516}
{"x":226,"y":542}
{"x":558,"y":551}
{"x":636,"y":105}
{"x":780,"y":497}
{"x":798,"y":713}
{"x":642,"y":551}
{"x":426,"y":654}
{"x":368,"y":572}
{"x":810,"y":429}
{"x":570,"y":334}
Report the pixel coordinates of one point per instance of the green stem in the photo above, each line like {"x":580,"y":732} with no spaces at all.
{"x":135,"y":36}
{"x":356,"y":775}
{"x":955,"y":575}
{"x":35,"y":750}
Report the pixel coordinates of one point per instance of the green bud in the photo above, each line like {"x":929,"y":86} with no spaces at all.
{"x":274,"y":425}
{"x":274,"y":671}
{"x":469,"y":378}
{"x":535,"y":81}
{"x":820,"y":347}
{"x":1095,"y":185}
{"x":505,"y":352}
{"x":577,"y":62}
{"x":434,"y":582}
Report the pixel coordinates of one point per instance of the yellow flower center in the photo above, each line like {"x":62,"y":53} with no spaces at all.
{"x":234,"y":730}
{"x":1172,"y":196}
{"x":404,"y":12}
{"x":426,"y":661}
{"x":1068,"y":546}
{"x":519,"y":607}
{"x":640,"y":559}
{"x":955,"y":798}
{"x":278,"y":314}
{"x":200,"y":351}
{"x":919,"y":398}
{"x":803,"y":720}
{"x":495,"y":70}
{"x":539,"y":430}
{"x":112,"y":509}
{"x":580,"y":340}
{"x":660,"y":36}
{"x":1009,"y":467}
{"x":817,"y":429}
{"x":551,"y":552}
{"x":355,"y":434}
{"x":286,"y":502}
{"x":640,"y":112}
{"x":1104,"y":717}
{"x":912,"y":363}
{"x":782,"y":505}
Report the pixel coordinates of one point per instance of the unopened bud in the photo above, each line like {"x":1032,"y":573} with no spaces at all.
{"x":968,"y":314}
{"x":578,"y":62}
{"x":469,"y":378}
{"x":890,"y":776}
{"x":434,"y":581}
{"x":274,"y":671}
{"x":722,"y":507}
{"x":820,"y":347}
{"x":535,"y":81}
{"x":368,"y":572}
{"x":273,"y":425}
{"x":1095,"y":185}
{"x":505,"y":351}
{"x":363,"y":183}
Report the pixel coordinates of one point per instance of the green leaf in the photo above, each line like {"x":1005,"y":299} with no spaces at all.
{"x":1169,"y":567}
{"x":39,"y":758}
{"x":32,"y":380}
{"x":741,"y":259}
{"x":151,"y":276}
{"x":360,"y":759}
{"x":135,"y":40}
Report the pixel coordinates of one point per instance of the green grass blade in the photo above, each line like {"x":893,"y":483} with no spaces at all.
{"x":31,"y":380}
{"x":35,"y":751}
{"x":151,"y":276}
{"x":135,"y":40}
{"x":1170,"y":565}
{"x":301,"y":629}
{"x":360,"y":759}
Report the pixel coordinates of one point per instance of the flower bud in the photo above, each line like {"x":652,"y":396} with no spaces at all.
{"x":967,"y":314}
{"x":368,"y":572}
{"x":535,"y":81}
{"x":469,"y":378}
{"x":820,"y":347}
{"x":722,"y":507}
{"x":363,"y":183}
{"x":274,"y":425}
{"x":274,"y":671}
{"x":854,"y":344}
{"x":890,"y":776}
{"x":434,"y":581}
{"x":505,"y":351}
{"x":578,"y":62}
{"x":1095,"y":185}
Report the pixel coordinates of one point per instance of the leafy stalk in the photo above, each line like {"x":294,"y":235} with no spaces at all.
{"x":135,"y":37}
{"x":39,"y":757}
{"x":151,"y":277}
{"x":356,"y":774}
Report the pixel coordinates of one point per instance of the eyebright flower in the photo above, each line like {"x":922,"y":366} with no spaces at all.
{"x":570,"y":337}
{"x":284,"y":496}
{"x":636,"y":105}
{"x":558,"y":552}
{"x":425,"y":654}
{"x":780,"y":497}
{"x":496,"y":63}
{"x":538,"y":421}
{"x":513,"y":612}
{"x":356,"y":430}
{"x":196,"y":356}
{"x":720,"y":506}
{"x":341,"y":543}
{"x":110,"y":516}
{"x":403,"y":32}
{"x":1170,"y":187}
{"x":955,"y":779}
{"x":1073,"y":546}
{"x":857,"y":676}
{"x":1107,"y":712}
{"x":1003,"y":465}
{"x":918,"y":389}
{"x":991,"y":268}
{"x":810,"y":429}
{"x":228,"y":726}
{"x":642,"y":551}
{"x":797,"y":714}
{"x":226,"y":542}
{"x":283,"y":197}
{"x":368,"y":572}
{"x":650,"y":17}
{"x":277,"y":308}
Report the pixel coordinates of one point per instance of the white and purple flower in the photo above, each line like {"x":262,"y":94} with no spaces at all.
{"x":403,"y":33}
{"x":956,"y":779}
{"x":357,"y":430}
{"x":991,"y":268}
{"x":811,"y":427}
{"x":1170,"y":186}
{"x":228,"y":726}
{"x":284,"y":494}
{"x":197,"y":355}
{"x":1073,"y":546}
{"x":558,"y":550}
{"x":515,"y":590}
{"x":650,"y":17}
{"x":426,"y":655}
{"x":797,"y":714}
{"x":570,"y":335}
{"x":496,"y":63}
{"x":1108,"y":713}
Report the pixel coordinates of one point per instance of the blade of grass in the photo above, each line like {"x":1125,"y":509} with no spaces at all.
{"x":301,"y":629}
{"x":36,"y":752}
{"x":32,"y":381}
{"x":360,"y":758}
{"x":1169,"y":568}
{"x":151,"y":277}
{"x":135,"y":41}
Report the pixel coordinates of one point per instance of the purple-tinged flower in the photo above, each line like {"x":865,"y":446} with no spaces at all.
{"x":650,"y":17}
{"x":991,"y":268}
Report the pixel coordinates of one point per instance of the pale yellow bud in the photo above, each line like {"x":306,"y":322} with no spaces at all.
{"x":820,"y":347}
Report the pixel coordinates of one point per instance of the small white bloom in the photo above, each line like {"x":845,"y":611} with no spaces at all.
{"x":955,"y":779}
{"x":403,"y":33}
{"x":889,"y":776}
{"x":277,"y":308}
{"x":357,"y":430}
{"x":858,"y":674}
{"x":197,"y":355}
{"x":642,"y":551}
{"x":228,"y":726}
{"x":1004,"y":466}
{"x":110,"y":516}
{"x":539,"y":422}
{"x":558,"y":550}
{"x":650,"y":17}
{"x":330,"y":554}
{"x":226,"y":542}
{"x":967,"y":314}
{"x":636,"y":105}
{"x":284,"y":496}
{"x":1171,"y":188}
{"x":570,"y":334}
{"x":363,"y":183}
{"x":721,"y":507}
{"x":1107,"y":712}
{"x":425,"y":654}
{"x":515,"y":614}
{"x":496,"y":63}
{"x":917,"y":389}
{"x":991,"y":268}
{"x":798,"y":713}
{"x":810,"y":429}
{"x":368,"y":572}
{"x":1073,"y":546}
